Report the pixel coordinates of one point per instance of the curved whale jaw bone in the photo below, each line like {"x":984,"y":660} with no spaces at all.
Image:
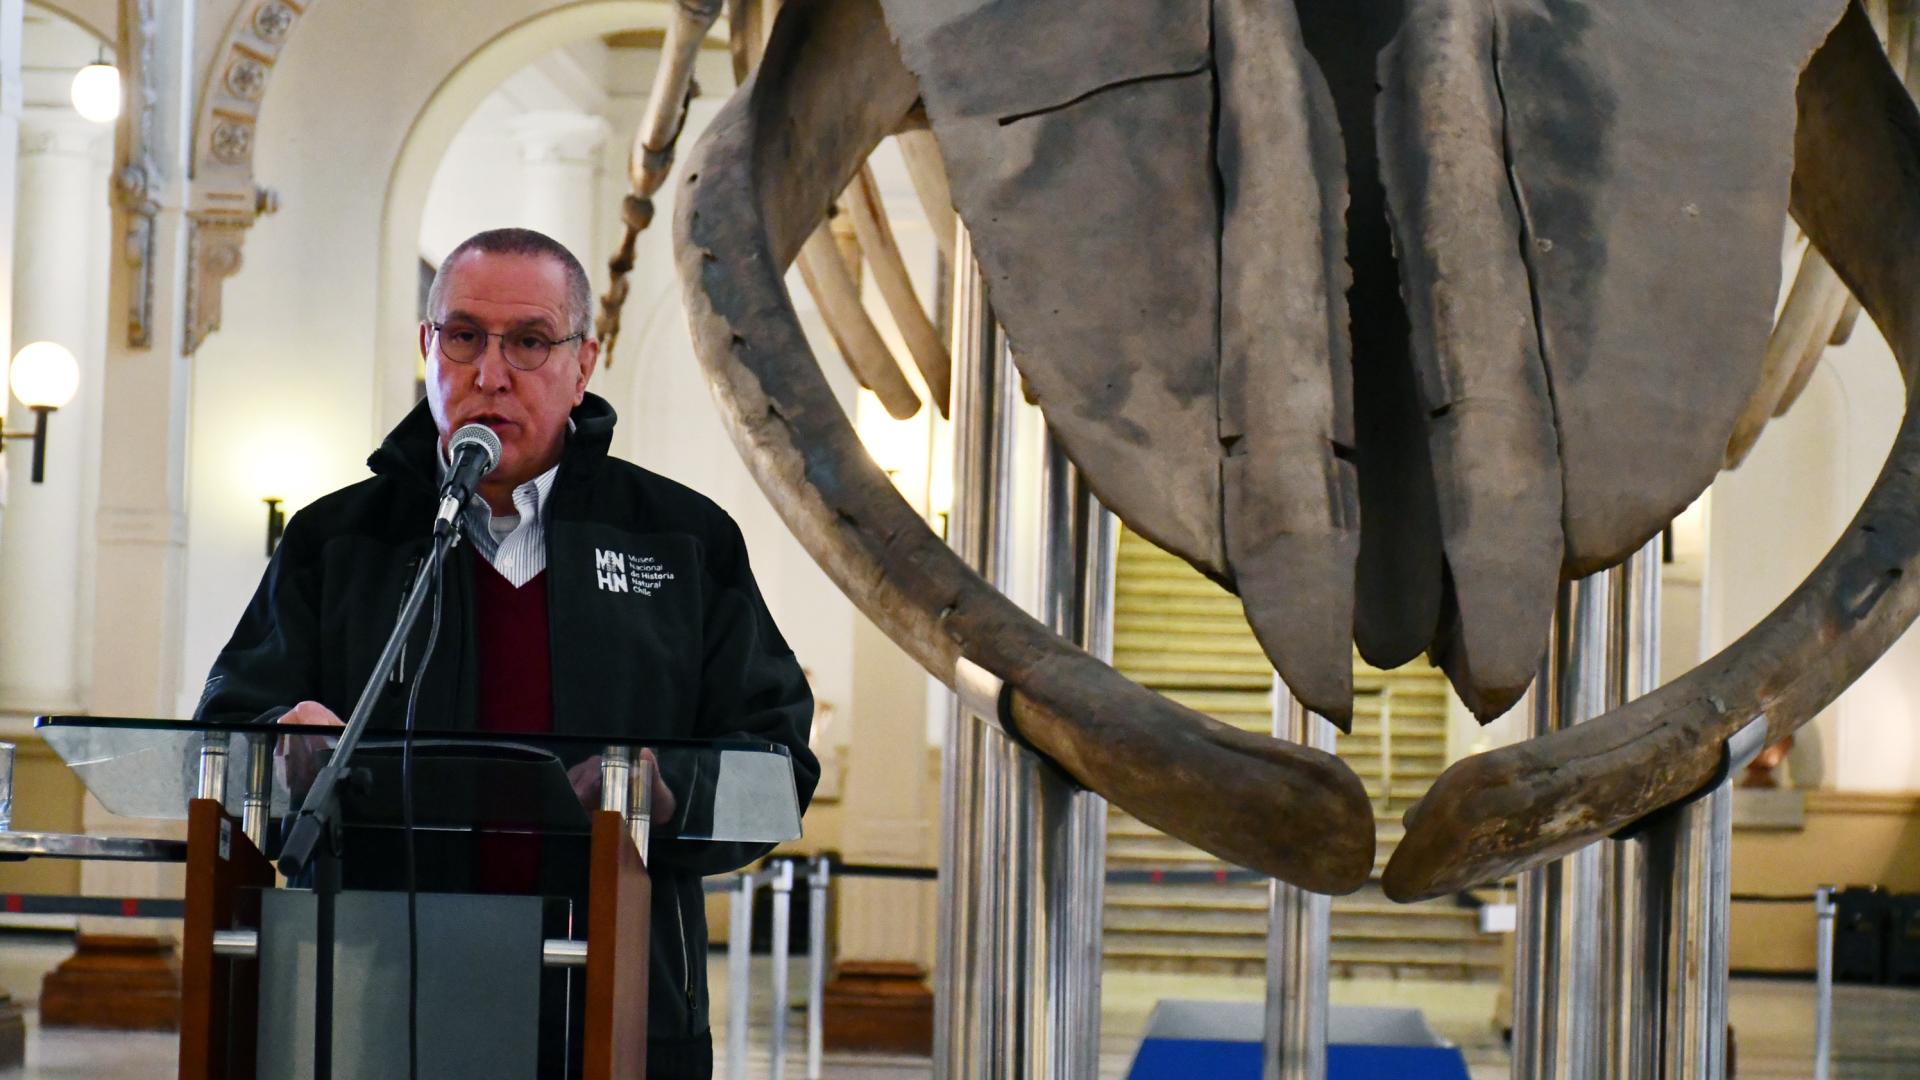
{"x":830,"y":86}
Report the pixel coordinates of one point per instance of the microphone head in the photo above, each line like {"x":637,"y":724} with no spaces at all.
{"x":480,"y":437}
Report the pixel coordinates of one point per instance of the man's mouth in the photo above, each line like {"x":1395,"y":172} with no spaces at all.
{"x":492,"y":420}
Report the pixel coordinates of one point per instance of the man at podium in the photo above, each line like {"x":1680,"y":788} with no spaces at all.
{"x":592,"y":596}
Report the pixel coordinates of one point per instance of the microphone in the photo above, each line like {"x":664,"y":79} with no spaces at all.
{"x":475,"y":450}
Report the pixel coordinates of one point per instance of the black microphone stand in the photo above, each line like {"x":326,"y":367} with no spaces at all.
{"x":319,"y":814}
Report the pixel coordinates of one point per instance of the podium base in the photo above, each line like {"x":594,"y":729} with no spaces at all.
{"x":878,"y":1005}
{"x":114,"y":981}
{"x":13,"y":1034}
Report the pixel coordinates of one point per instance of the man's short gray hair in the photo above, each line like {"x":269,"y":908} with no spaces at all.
{"x":521,"y":242}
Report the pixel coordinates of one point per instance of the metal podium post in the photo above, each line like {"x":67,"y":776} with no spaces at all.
{"x":1016,"y":990}
{"x":1299,"y":933}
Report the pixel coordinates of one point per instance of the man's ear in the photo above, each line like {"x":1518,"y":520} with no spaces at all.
{"x":589,"y":356}
{"x":426,"y":335}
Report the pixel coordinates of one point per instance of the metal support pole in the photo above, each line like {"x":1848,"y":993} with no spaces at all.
{"x":739,"y":959}
{"x":1686,"y":882}
{"x":1630,"y":1024}
{"x":1691,"y":896}
{"x":962,"y":999}
{"x":212,"y":780}
{"x":1298,"y":936}
{"x":1824,"y":915}
{"x":1558,"y":960}
{"x":1079,"y":547}
{"x":782,"y":937}
{"x":1022,"y":852}
{"x":259,"y":796}
{"x":819,"y":870}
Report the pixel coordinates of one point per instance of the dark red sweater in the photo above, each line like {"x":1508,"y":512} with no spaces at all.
{"x":516,"y":672}
{"x":516,"y":695}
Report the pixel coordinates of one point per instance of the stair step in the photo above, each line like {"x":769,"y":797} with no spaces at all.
{"x":1344,"y":950}
{"x":1184,"y":897}
{"x":1179,"y":962}
{"x":1451,"y":925}
{"x":1163,"y":851}
{"x":1387,"y":829}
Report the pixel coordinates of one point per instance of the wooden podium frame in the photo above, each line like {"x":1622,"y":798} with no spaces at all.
{"x":219,"y":1001}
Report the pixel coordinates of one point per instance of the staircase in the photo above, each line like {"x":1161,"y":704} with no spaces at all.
{"x":1180,"y":634}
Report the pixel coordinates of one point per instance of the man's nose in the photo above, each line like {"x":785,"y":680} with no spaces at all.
{"x":491,"y":370}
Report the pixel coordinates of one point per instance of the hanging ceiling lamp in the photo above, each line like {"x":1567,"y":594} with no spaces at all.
{"x":96,"y":91}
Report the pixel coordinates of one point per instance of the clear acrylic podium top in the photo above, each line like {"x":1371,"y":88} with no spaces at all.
{"x":738,"y":790}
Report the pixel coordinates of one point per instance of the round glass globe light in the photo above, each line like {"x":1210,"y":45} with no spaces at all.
{"x":96,"y":92}
{"x":45,"y":375}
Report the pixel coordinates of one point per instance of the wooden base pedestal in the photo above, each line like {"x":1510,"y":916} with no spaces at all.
{"x":881,"y":1005}
{"x":114,"y":981}
{"x":13,"y":1034}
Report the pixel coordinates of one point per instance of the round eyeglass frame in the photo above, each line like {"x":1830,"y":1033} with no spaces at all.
{"x":507,"y":350}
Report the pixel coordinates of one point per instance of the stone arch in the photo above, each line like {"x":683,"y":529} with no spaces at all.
{"x":458,"y":93}
{"x":96,"y":17}
{"x":227,"y":200}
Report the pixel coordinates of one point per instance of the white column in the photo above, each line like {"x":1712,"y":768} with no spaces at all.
{"x":560,"y":153}
{"x":883,"y":807}
{"x":139,"y":570}
{"x":11,"y":92}
{"x":41,"y":550}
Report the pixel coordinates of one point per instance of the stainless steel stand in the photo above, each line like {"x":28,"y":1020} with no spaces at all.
{"x":1298,"y":937}
{"x":1559,"y":959}
{"x":1824,"y":916}
{"x":782,"y":930}
{"x":1621,"y":966}
{"x":819,"y":873}
{"x":1630,"y":1023}
{"x":1022,"y":851}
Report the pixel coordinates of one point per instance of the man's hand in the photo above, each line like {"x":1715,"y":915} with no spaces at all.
{"x":306,"y":754}
{"x":585,"y":778}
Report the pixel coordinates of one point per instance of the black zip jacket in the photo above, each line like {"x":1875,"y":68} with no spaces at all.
{"x":698,"y":658}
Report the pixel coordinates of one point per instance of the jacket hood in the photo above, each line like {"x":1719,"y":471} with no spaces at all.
{"x":409,"y":450}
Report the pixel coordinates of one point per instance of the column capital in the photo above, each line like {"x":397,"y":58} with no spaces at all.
{"x":558,"y":136}
{"x":60,"y":130}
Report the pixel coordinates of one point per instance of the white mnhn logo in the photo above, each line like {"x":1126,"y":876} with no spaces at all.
{"x":623,"y":572}
{"x":610,"y":569}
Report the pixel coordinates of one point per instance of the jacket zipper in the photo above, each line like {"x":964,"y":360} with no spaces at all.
{"x":686,"y":967}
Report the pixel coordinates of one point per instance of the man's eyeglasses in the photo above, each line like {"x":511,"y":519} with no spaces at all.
{"x":525,"y":350}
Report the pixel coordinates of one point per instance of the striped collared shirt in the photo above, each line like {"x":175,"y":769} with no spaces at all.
{"x":515,"y":544}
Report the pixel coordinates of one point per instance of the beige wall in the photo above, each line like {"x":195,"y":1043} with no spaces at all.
{"x":1849,"y":838}
{"x":47,"y":798}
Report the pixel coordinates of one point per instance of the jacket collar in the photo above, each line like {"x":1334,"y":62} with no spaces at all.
{"x":410,"y":451}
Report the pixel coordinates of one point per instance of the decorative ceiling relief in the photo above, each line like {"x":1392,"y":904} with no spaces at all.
{"x":225,"y":200}
{"x":136,"y":174}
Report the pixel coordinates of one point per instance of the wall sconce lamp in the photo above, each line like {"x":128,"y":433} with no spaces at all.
{"x":276,"y":523}
{"x":44,"y":376}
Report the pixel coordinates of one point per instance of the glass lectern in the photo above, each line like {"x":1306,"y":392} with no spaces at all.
{"x":529,"y":916}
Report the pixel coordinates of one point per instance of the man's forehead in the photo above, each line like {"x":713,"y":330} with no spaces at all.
{"x":516,"y":287}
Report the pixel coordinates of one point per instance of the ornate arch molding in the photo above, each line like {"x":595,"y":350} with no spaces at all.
{"x":224,"y":200}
